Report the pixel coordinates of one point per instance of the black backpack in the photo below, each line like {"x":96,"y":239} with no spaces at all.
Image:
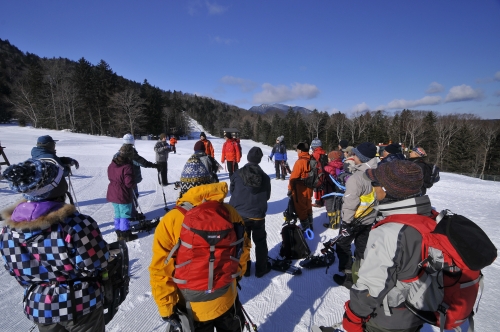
{"x":316,"y":176}
{"x":431,"y":174}
{"x":294,"y":245}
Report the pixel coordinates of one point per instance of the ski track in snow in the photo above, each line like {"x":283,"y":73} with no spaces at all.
{"x":276,"y":302}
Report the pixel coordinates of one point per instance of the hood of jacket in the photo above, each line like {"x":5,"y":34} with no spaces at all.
{"x":251,"y":174}
{"x":372,"y":163}
{"x":205,"y":192}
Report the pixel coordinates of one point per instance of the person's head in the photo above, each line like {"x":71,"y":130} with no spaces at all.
{"x":343,"y":144}
{"x":396,"y":180}
{"x":227,"y":136}
{"x":364,"y":152}
{"x":348,"y":151}
{"x":391,"y":149}
{"x":418,"y":152}
{"x":335,"y":155}
{"x":280,"y":139}
{"x":316,"y":143}
{"x":301,"y":147}
{"x":194,"y":174}
{"x":199,"y":146}
{"x":203,"y":136}
{"x":255,"y":155}
{"x":163,"y":137}
{"x":125,"y":155}
{"x":46,"y":142}
{"x":37,"y":180}
{"x":128,"y":139}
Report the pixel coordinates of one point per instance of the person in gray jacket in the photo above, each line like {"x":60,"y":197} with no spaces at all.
{"x":358,"y":212}
{"x":162,"y":150}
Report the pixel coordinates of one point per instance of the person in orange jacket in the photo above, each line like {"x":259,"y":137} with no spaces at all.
{"x":209,"y":148}
{"x":173,"y":142}
{"x":231,"y":153}
{"x":300,"y":194}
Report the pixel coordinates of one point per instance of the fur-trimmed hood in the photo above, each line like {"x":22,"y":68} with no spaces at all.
{"x":36,"y":215}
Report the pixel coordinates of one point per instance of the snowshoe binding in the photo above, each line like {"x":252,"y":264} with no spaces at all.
{"x":144,"y":225}
{"x":284,"y":265}
{"x":313,"y":262}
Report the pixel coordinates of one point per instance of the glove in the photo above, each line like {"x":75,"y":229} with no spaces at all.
{"x":173,"y":323}
{"x":289,"y":193}
{"x":75,"y":163}
{"x":150,"y":165}
{"x":270,"y":158}
{"x":345,"y":229}
{"x":351,"y":321}
{"x":157,"y":166}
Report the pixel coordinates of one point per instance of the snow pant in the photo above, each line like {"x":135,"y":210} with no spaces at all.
{"x":173,"y":149}
{"x":301,"y":196}
{"x":280,"y":173}
{"x":232,"y":166}
{"x":232,"y":320}
{"x":317,"y":196}
{"x":256,"y":230}
{"x":123,"y":213}
{"x":371,"y":327}
{"x":93,"y":321}
{"x":343,"y":247}
{"x":333,"y":205}
{"x":163,"y":170}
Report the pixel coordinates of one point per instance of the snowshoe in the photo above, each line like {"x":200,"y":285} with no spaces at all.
{"x":317,"y":261}
{"x":284,"y":265}
{"x":325,"y":329}
{"x":144,"y":225}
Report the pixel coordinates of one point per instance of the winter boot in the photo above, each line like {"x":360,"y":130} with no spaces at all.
{"x":311,"y":221}
{"x":334,"y":220}
{"x":128,"y":236}
{"x":249,"y":268}
{"x":344,"y":280}
{"x":118,"y":235}
{"x":260,"y":274}
{"x":304,"y":224}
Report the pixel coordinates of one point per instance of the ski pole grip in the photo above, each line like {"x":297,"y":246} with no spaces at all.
{"x":309,"y":234}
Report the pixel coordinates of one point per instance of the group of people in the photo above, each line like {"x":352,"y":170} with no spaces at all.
{"x":393,"y":186}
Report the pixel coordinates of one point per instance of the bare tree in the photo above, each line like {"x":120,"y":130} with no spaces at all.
{"x":446,"y":127}
{"x":338,"y":123}
{"x":24,"y":103}
{"x":130,"y":105}
{"x":313,"y":124}
{"x":489,"y":131}
{"x":415,"y":128}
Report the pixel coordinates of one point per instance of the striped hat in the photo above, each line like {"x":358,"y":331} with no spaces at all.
{"x":400,"y":178}
{"x":419,"y":150}
{"x":194,"y":174}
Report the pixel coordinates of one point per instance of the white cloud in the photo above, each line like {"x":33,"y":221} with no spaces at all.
{"x":226,"y":41}
{"x":282,"y":93}
{"x":360,"y":107}
{"x":463,"y":93}
{"x":215,"y":9}
{"x":403,"y":103}
{"x":497,"y":76}
{"x":434,"y":87}
{"x":244,"y":84}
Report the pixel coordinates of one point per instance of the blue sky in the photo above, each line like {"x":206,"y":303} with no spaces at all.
{"x":330,"y":55}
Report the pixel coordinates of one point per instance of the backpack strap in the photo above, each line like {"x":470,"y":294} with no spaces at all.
{"x":183,"y":208}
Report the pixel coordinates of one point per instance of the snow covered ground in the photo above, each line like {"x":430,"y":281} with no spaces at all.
{"x":276,"y":302}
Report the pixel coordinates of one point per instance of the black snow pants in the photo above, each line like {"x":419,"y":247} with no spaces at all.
{"x":343,"y":247}
{"x":256,"y":230}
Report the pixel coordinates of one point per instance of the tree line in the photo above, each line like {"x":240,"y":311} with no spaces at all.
{"x":82,"y":97}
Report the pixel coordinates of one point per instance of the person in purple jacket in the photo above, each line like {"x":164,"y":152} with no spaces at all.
{"x":121,"y":184}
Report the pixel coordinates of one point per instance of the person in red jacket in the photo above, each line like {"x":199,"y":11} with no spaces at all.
{"x":209,"y":148}
{"x":317,"y":152}
{"x":333,"y":203}
{"x":173,"y":142}
{"x":231,"y":153}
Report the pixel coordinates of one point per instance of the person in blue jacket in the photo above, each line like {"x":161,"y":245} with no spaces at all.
{"x":250,"y":190}
{"x":279,"y":153}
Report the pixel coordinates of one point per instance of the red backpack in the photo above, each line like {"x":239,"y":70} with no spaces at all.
{"x":454,"y":250}
{"x":208,"y":251}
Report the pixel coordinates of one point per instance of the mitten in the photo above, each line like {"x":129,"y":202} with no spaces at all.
{"x":289,"y":193}
{"x":75,"y":163}
{"x":351,"y":321}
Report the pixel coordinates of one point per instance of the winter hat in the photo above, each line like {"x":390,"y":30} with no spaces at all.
{"x":199,"y":146}
{"x":228,"y":135}
{"x":128,"y":139}
{"x":194,"y":174}
{"x":255,"y":155}
{"x":280,"y":138}
{"x":335,"y":155}
{"x":162,"y":136}
{"x":37,"y":179}
{"x":348,"y":149}
{"x":393,"y":148}
{"x":202,"y":134}
{"x":302,"y":146}
{"x":400,"y":178}
{"x":316,"y":142}
{"x":45,"y":140}
{"x":343,"y":144}
{"x":419,"y":150}
{"x":365,"y":151}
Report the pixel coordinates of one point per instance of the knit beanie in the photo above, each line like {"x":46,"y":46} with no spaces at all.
{"x":194,"y":174}
{"x":202,"y":134}
{"x":344,"y":143}
{"x":400,"y":178}
{"x":37,"y":179}
{"x":302,"y":146}
{"x":280,"y":138}
{"x":199,"y":146}
{"x":228,"y":135}
{"x":335,"y":155}
{"x":255,"y":155}
{"x":420,"y":151}
{"x":128,"y":139}
{"x":393,"y":148}
{"x":365,"y":151}
{"x":316,"y":142}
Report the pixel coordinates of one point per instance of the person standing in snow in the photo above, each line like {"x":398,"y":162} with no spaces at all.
{"x":250,"y":190}
{"x":209,"y":148}
{"x":297,"y":190}
{"x":54,"y":252}
{"x":121,"y":184}
{"x":162,"y":150}
{"x":279,"y":153}
{"x":317,"y":153}
{"x":209,"y":162}
{"x":173,"y":142}
{"x":333,"y":203}
{"x":417,"y":155}
{"x":231,"y":153}
{"x":221,"y":311}
{"x":357,"y":206}
{"x":348,"y":159}
{"x":343,"y":144}
{"x":392,"y":152}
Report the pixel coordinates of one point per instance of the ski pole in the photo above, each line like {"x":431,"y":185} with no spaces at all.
{"x":163,"y":190}
{"x":73,"y":193}
{"x":254,"y":327}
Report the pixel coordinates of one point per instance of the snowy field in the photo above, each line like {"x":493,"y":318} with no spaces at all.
{"x":277,"y":302}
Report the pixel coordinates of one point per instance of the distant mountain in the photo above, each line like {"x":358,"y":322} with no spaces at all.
{"x":271,"y":108}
